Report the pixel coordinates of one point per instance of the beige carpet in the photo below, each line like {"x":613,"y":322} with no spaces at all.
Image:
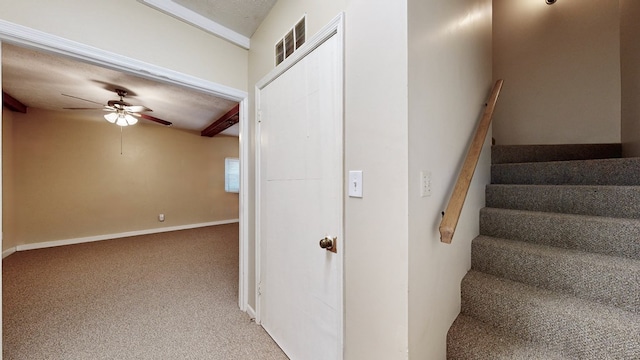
{"x":161,"y":296}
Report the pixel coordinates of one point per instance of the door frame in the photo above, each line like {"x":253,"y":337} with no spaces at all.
{"x":20,"y":35}
{"x":334,"y":28}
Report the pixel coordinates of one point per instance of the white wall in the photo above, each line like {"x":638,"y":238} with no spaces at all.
{"x":376,"y":128}
{"x":132,"y":29}
{"x":375,"y":244}
{"x":561,"y":66}
{"x":630,"y":75}
{"x":449,"y":82}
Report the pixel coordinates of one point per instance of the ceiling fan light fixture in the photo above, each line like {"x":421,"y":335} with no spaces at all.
{"x":122,"y":113}
{"x":111,"y":117}
{"x":121,"y":118}
{"x":131,"y":120}
{"x":121,"y":121}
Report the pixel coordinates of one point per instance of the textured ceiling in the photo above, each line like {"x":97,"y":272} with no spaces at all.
{"x":39,"y":79}
{"x":241,"y":16}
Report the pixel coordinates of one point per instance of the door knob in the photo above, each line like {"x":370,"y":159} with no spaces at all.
{"x":329,"y":243}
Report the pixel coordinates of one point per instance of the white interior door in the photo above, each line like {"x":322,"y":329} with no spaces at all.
{"x":300,"y":202}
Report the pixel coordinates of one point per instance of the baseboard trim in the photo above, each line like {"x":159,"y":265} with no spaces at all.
{"x":48,"y":244}
{"x":8,"y":252}
{"x":251,"y":312}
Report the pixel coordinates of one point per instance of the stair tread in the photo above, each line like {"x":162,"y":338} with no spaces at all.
{"x":602,"y":161}
{"x":596,"y":277}
{"x":618,"y":171}
{"x":594,"y":200}
{"x":604,"y":235}
{"x":566,"y":324}
{"x":470,"y":339}
{"x":534,"y":153}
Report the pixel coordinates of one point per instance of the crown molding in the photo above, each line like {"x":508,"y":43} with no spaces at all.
{"x":191,"y":17}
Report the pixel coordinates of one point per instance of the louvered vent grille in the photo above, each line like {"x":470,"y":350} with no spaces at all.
{"x":291,"y":41}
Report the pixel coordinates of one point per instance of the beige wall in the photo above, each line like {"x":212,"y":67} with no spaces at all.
{"x":67,"y":178}
{"x":449,"y":82}
{"x":630,"y":75}
{"x":561,"y":66}
{"x":132,"y":29}
{"x":7,"y":181}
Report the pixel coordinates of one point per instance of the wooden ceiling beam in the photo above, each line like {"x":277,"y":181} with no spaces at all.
{"x":13,"y":104}
{"x":227,"y":120}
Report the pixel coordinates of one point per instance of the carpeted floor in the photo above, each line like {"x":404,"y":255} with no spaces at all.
{"x":160,"y":296}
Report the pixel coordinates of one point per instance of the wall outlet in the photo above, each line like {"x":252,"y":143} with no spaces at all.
{"x":425,"y":183}
{"x":161,"y":217}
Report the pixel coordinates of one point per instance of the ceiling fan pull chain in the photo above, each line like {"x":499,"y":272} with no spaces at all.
{"x":121,"y":139}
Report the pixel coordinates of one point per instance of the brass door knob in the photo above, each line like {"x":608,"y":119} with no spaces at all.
{"x":329,"y":243}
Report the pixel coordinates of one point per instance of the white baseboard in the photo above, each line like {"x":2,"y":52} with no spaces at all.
{"x":54,"y":243}
{"x":251,"y":312}
{"x":8,"y":252}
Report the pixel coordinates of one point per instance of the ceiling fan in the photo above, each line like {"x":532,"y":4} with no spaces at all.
{"x":120,"y":112}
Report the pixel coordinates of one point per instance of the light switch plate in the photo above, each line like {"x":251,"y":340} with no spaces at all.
{"x":355,"y":183}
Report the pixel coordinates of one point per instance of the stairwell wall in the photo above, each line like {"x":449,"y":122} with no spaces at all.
{"x":630,"y":76}
{"x":561,"y":66}
{"x":449,"y":83}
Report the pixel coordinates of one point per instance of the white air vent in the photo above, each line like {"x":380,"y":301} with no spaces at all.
{"x":291,"y":41}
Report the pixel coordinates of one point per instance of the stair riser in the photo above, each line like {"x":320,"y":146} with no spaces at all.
{"x":609,"y":236}
{"x":588,"y":172}
{"x":573,"y":327}
{"x":609,"y":201}
{"x":502,"y":154}
{"x":592,"y":277}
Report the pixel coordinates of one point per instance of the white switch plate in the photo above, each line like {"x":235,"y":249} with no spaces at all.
{"x":355,"y":183}
{"x":425,"y":183}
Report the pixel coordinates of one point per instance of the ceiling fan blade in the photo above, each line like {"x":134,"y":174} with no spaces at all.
{"x":79,"y":98}
{"x":137,"y":108}
{"x":151,"y":118}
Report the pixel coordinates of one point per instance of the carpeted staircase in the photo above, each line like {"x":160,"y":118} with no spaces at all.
{"x":555,"y":271}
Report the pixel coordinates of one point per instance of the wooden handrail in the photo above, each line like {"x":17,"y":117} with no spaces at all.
{"x":452,"y":213}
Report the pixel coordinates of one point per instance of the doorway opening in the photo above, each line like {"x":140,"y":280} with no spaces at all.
{"x":29,"y":38}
